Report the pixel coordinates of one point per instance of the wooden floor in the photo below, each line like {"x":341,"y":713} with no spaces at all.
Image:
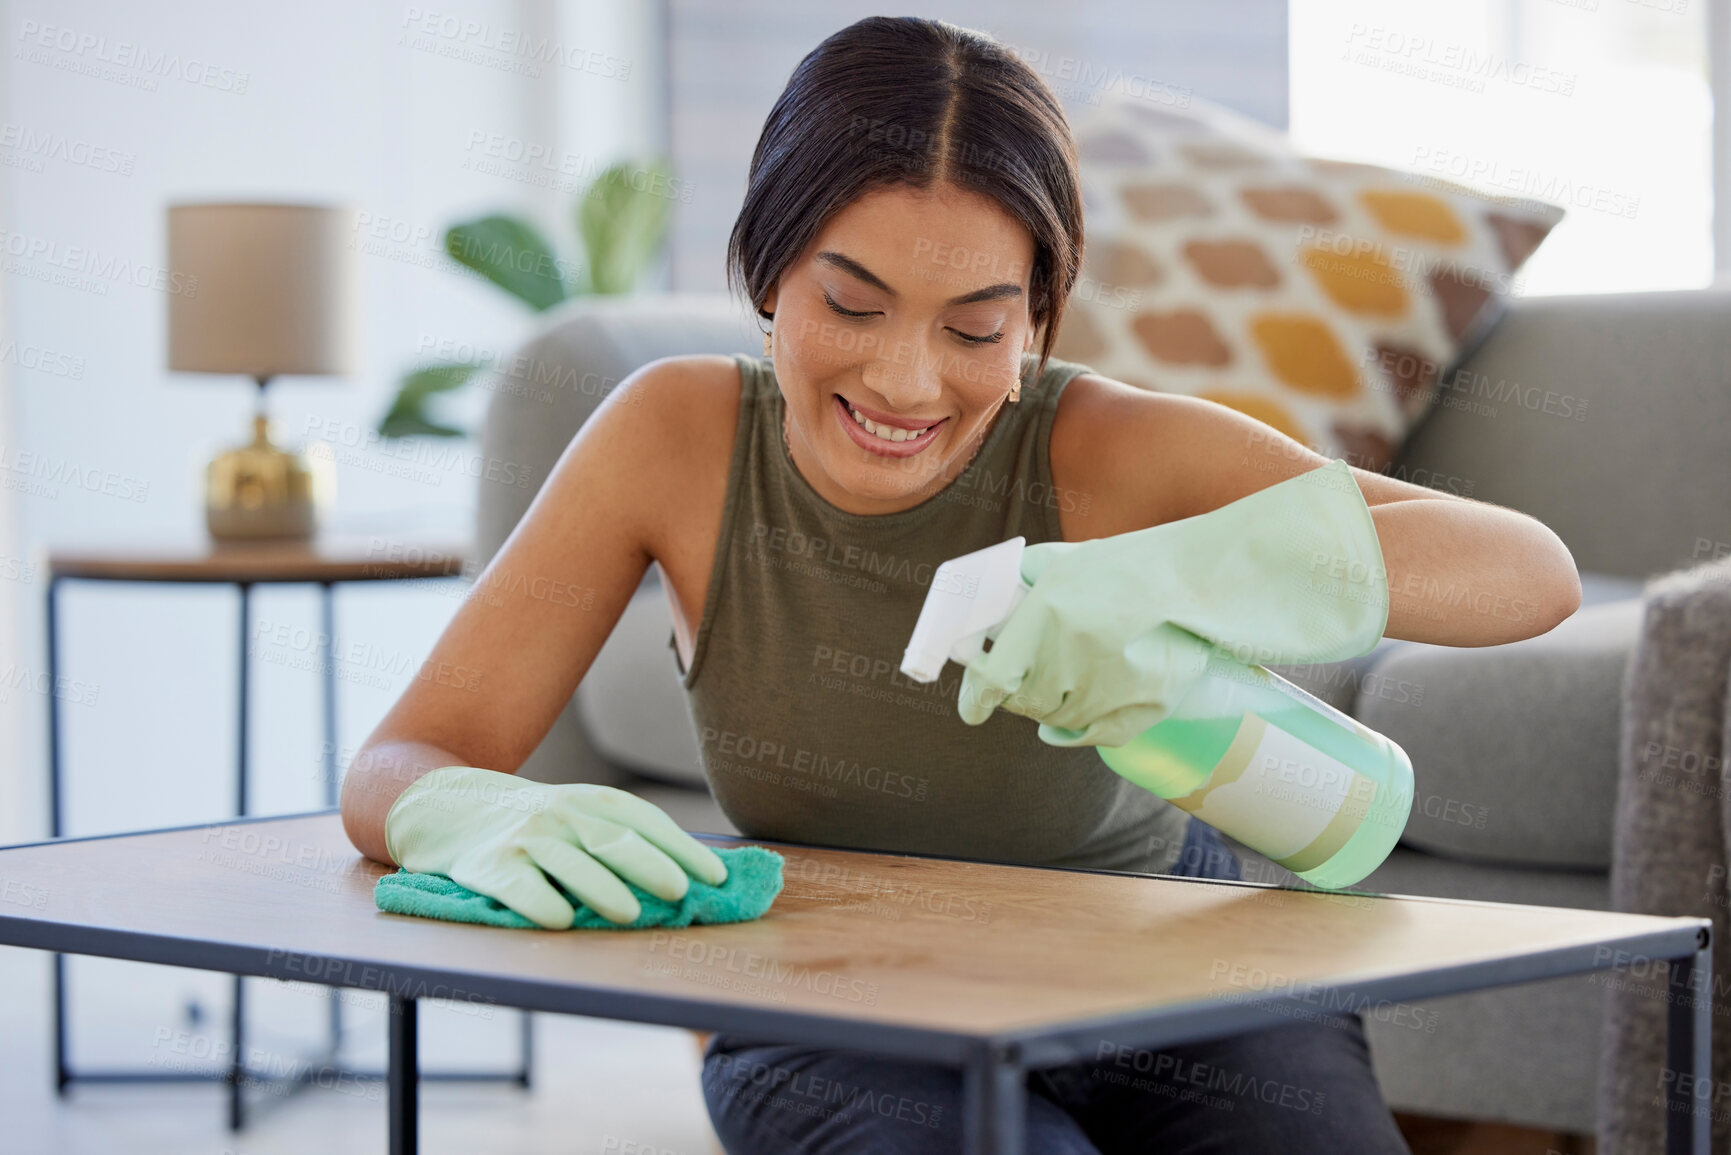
{"x":1427,"y":1136}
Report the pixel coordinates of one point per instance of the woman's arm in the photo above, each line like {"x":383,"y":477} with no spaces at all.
{"x":533,"y":621}
{"x":1460,"y":572}
{"x":381,"y":770}
{"x":1468,"y":573}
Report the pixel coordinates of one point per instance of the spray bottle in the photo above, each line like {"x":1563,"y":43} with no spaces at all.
{"x":1243,"y":750}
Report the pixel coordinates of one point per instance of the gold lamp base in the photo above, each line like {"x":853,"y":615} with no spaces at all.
{"x":261,"y":491}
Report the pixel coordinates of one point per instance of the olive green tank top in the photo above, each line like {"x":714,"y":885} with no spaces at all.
{"x":808,"y":729}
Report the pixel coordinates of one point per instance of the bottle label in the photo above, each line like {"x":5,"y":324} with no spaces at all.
{"x":1281,"y":796}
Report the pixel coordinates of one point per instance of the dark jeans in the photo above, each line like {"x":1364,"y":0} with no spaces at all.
{"x":1305,"y":1088}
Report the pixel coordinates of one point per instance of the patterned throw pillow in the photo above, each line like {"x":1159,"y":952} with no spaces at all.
{"x":1324,"y":298}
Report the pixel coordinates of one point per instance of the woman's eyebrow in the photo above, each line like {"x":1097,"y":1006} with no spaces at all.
{"x":854,"y":268}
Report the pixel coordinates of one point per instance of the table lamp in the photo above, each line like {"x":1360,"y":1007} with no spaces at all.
{"x":269,"y":289}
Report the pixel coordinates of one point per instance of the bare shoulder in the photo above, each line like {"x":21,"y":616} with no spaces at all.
{"x":1146,"y":458}
{"x":685,"y":395}
{"x":1125,"y":452}
{"x":681,"y":450}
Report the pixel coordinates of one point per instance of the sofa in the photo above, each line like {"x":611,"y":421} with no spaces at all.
{"x":1606,"y":417}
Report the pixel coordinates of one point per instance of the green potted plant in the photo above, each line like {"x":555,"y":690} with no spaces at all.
{"x":620,"y":223}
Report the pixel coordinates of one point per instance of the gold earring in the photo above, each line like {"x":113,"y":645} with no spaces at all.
{"x":1016,"y":393}
{"x":766,"y":347}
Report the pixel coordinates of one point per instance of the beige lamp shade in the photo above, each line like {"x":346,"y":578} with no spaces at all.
{"x":270,"y":289}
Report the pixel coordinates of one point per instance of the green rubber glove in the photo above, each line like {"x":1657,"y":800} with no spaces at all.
{"x":1117,"y":629}
{"x":504,"y":836}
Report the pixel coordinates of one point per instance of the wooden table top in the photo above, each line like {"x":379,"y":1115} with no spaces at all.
{"x":328,"y":557}
{"x":960,"y":949}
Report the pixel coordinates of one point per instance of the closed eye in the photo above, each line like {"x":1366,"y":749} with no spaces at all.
{"x":855,"y":314}
{"x":830,"y":301}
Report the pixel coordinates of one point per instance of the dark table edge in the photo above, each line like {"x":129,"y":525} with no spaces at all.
{"x":480,"y":989}
{"x":1036,"y":1046}
{"x":1205,"y":1019}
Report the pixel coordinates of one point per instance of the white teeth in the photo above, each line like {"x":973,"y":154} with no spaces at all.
{"x":887,"y":432}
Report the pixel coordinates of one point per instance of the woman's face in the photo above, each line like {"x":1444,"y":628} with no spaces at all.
{"x":910,"y":307}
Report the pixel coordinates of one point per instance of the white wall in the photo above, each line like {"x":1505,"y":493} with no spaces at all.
{"x":729,"y":59}
{"x":391,"y":107}
{"x":1603,"y":108}
{"x":15,"y":796}
{"x":1719,"y":71}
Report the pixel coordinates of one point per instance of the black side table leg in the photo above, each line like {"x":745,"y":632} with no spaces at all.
{"x":237,"y":1034}
{"x":327,"y":662}
{"x":54,"y":802}
{"x":403,"y":1100}
{"x":62,"y":1075}
{"x":237,"y":1063}
{"x":241,"y":726}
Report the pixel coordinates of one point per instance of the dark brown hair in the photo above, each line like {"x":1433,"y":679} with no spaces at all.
{"x":904,"y":100}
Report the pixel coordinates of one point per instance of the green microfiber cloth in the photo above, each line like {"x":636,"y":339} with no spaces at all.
{"x":753,"y":881}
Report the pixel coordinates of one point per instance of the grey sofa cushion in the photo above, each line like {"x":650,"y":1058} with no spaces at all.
{"x":1605,"y":417}
{"x":1513,"y":747}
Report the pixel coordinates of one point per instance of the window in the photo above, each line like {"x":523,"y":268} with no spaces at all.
{"x":1601,"y":106}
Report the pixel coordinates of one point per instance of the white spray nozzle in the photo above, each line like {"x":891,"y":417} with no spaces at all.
{"x":970,"y":597}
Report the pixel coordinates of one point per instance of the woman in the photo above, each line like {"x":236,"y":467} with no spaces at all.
{"x":911,"y":231}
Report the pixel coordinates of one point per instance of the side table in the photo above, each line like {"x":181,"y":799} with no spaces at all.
{"x":325,"y":561}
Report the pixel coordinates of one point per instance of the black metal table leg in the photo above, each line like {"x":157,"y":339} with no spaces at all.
{"x":54,"y":803}
{"x":327,"y":661}
{"x":403,"y":1100}
{"x":327,"y":657}
{"x":237,"y":1032}
{"x":994,"y":1102}
{"x":1688,"y":1052}
{"x":237,"y":1062}
{"x":242,"y":715}
{"x":62,"y":1076}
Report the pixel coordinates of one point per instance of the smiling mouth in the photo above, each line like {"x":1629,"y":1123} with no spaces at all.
{"x":891,"y":434}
